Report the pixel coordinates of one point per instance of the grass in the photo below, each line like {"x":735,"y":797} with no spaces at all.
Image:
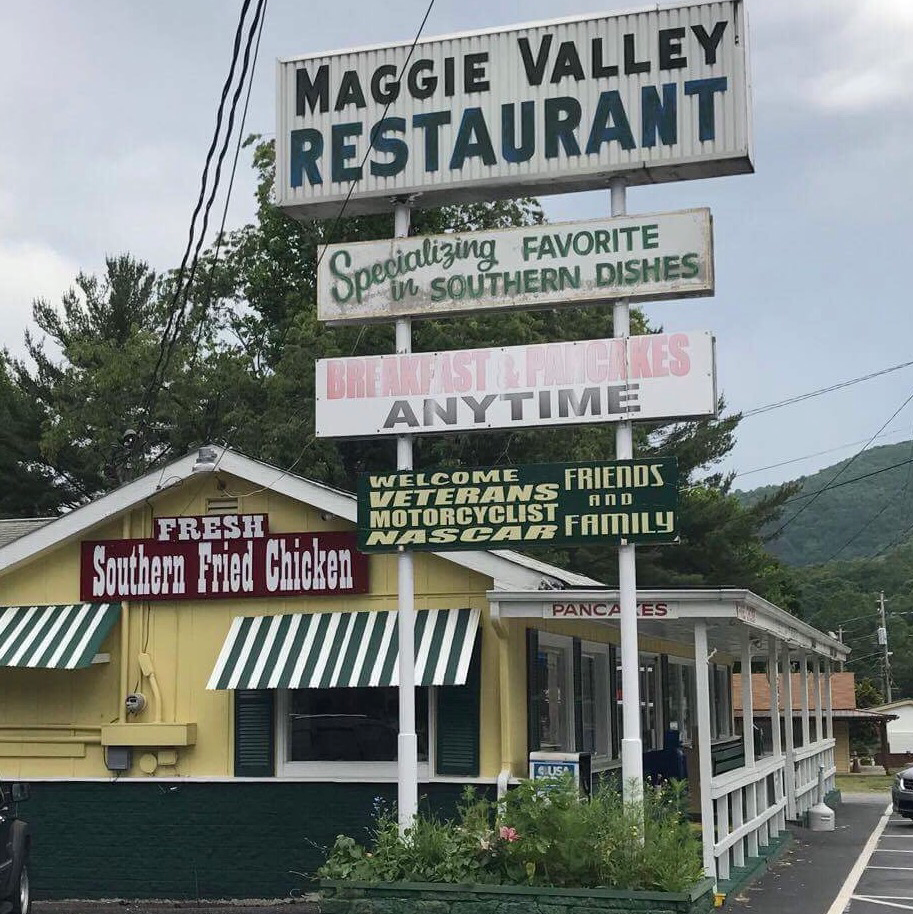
{"x":864,"y":783}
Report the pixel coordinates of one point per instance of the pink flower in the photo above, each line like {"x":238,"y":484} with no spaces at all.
{"x":508,"y":834}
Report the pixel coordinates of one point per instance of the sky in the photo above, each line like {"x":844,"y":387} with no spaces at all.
{"x":108,"y":109}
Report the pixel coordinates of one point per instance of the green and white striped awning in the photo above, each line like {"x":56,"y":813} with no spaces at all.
{"x":335,"y":649}
{"x":54,"y":637}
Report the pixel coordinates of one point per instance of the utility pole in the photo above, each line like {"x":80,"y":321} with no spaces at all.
{"x":883,"y":642}
{"x":840,"y":639}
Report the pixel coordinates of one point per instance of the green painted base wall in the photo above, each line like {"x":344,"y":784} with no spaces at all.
{"x":193,"y":840}
{"x":402,"y":898}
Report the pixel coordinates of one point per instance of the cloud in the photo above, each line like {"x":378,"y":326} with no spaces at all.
{"x":29,"y":271}
{"x":843,"y":57}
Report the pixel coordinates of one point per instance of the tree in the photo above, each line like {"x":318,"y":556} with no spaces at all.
{"x":240,"y":370}
{"x":267,"y":280}
{"x":868,"y":695}
{"x":27,"y":487}
{"x":106,"y":414}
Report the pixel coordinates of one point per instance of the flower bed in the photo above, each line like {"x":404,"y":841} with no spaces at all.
{"x":539,"y":850}
{"x":431,"y":898}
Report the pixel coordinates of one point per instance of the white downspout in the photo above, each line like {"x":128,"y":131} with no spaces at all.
{"x":124,"y":642}
{"x":702,"y":677}
{"x":506,"y":772}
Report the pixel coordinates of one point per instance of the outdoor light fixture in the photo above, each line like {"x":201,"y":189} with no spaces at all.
{"x":207,"y":457}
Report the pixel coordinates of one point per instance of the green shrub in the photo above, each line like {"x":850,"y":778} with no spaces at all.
{"x":540,"y":833}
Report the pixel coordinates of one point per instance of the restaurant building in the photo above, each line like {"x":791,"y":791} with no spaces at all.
{"x":198,"y":677}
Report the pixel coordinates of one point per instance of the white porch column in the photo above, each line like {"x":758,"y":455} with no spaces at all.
{"x":790,"y":769}
{"x":702,"y":677}
{"x":819,"y":713}
{"x":829,"y":698}
{"x":776,"y":742}
{"x":751,"y":792}
{"x":803,"y":697}
{"x":747,"y":699}
{"x":773,"y":678}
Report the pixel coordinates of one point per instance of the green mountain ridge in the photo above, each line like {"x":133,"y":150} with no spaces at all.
{"x":866,"y":511}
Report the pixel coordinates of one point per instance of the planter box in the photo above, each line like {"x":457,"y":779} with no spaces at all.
{"x":434,"y":898}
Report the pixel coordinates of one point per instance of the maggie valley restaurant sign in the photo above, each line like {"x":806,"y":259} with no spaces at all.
{"x":551,"y":107}
{"x":230,"y":555}
{"x":650,"y":257}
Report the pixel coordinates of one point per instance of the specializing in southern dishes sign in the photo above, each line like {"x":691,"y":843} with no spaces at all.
{"x":548,"y":504}
{"x":231,"y":555}
{"x":660,"y":376}
{"x":665,"y":255}
{"x":549,"y":107}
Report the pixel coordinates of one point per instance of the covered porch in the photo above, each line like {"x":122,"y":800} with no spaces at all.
{"x":745,"y":788}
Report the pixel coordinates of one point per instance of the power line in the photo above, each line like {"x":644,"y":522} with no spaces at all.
{"x":329,"y":241}
{"x":899,"y":539}
{"x":889,"y":501}
{"x":829,"y":450}
{"x":189,"y":262}
{"x":234,"y":165}
{"x":345,"y":203}
{"x":861,"y":530}
{"x":789,"y":401}
{"x":245,"y":65}
{"x":204,"y":180}
{"x":846,"y":482}
{"x":841,"y":471}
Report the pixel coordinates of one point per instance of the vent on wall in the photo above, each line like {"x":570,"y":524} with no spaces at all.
{"x":221,"y":505}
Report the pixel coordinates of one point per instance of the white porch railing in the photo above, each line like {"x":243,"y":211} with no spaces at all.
{"x":806,"y":760}
{"x":749,"y":808}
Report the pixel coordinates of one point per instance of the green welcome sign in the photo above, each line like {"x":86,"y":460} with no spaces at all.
{"x":549,"y":504}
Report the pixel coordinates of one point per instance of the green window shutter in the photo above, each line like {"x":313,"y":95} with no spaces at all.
{"x":533,"y":737}
{"x":577,"y":653}
{"x":614,"y":716}
{"x":255,"y":737}
{"x":458,"y":723}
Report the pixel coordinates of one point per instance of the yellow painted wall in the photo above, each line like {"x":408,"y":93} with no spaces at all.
{"x":184,"y":639}
{"x":842,"y":746}
{"x":50,"y":720}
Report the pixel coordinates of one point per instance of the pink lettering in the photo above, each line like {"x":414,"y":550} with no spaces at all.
{"x":336,"y":379}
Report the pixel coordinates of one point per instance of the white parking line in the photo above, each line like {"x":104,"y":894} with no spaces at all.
{"x":852,"y":880}
{"x":887,"y":904}
{"x":909,"y":868}
{"x":889,"y":850}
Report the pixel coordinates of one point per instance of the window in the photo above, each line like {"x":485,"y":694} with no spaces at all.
{"x":720,"y":701}
{"x":682,"y":699}
{"x":342,"y":730}
{"x":594,"y":700}
{"x":650,"y":702}
{"x":555,"y":683}
{"x":561,"y":709}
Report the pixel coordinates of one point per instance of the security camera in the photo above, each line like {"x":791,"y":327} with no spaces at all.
{"x":135,"y":702}
{"x":129,"y":437}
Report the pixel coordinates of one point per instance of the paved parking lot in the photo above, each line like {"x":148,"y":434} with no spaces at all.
{"x":886,"y":877}
{"x":813,"y":873}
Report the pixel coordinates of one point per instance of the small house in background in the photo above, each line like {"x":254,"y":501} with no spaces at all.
{"x":846,"y":715}
{"x":900,"y":732}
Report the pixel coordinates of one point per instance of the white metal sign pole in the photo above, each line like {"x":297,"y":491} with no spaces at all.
{"x":407,"y":745}
{"x":632,"y":761}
